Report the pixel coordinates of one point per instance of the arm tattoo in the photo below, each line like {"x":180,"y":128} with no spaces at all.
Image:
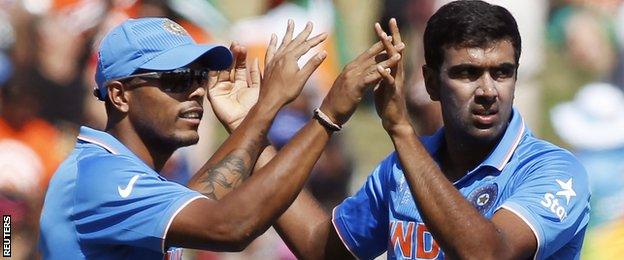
{"x":225,"y":175}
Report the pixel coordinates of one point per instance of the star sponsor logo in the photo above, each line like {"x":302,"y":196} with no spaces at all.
{"x":551,"y":201}
{"x":566,"y":190}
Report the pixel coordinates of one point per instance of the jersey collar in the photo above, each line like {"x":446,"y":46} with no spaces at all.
{"x":501,"y":154}
{"x":104,"y":140}
{"x":508,"y":144}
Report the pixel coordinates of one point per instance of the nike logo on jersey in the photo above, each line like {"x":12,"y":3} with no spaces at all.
{"x":125,"y":192}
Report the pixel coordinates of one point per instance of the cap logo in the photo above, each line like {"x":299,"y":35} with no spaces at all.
{"x":174,"y":28}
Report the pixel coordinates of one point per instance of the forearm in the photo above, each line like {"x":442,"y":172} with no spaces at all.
{"x":455,"y":224}
{"x":233,"y":161}
{"x":307,"y":241}
{"x":277,"y":184}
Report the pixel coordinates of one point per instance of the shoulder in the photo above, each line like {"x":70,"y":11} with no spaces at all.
{"x":389,"y":165}
{"x":539,"y":161}
{"x":94,"y":160}
{"x":98,"y":174}
{"x":534,"y":152}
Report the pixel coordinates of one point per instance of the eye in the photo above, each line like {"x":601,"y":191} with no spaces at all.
{"x":465,"y":72}
{"x":502,"y":73}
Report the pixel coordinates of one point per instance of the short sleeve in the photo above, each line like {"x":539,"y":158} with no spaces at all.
{"x":362,"y":220}
{"x":553,"y":199}
{"x":120,"y":202}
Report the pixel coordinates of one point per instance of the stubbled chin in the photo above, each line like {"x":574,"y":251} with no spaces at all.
{"x":186,"y":138}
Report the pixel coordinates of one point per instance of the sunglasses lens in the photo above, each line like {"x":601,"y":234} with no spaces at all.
{"x":177,"y":81}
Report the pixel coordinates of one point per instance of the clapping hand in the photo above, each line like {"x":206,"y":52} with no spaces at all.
{"x":359,"y":75}
{"x":232,"y":93}
{"x":283,"y":78}
{"x":389,"y":95}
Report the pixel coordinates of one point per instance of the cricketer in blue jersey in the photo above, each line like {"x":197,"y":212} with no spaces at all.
{"x":107,"y":200}
{"x":542,"y":184}
{"x":104,"y":196}
{"x":481,"y":187}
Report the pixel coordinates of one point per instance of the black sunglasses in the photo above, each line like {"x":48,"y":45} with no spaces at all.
{"x":173,"y":81}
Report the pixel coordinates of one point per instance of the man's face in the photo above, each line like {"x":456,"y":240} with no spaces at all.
{"x":476,"y":90}
{"x":168,"y":119}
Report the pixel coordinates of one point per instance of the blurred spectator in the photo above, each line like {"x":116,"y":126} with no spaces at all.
{"x":593,"y":124}
{"x":586,"y":35}
{"x":28,"y":156}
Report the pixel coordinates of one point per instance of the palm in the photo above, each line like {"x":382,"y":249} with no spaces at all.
{"x":231,"y":101}
{"x":232,"y":93}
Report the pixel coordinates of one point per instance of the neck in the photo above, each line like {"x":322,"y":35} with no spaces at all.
{"x":152,"y":155}
{"x":462,"y":154}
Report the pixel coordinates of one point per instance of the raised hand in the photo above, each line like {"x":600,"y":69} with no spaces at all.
{"x":283,"y":79}
{"x":232,"y":93}
{"x":360,"y":74}
{"x":389,"y":95}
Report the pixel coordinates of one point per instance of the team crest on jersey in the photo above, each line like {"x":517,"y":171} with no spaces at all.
{"x":483,"y":198}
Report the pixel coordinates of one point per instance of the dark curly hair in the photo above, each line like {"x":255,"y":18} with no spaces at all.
{"x":468,"y":23}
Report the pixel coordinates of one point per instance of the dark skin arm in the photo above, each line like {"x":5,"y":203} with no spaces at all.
{"x":232,"y":94}
{"x":232,"y":222}
{"x":228,"y":228}
{"x":505,"y":236}
{"x":317,"y":238}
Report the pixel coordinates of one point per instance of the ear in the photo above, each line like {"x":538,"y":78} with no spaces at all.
{"x":432,"y":82}
{"x":117,"y":96}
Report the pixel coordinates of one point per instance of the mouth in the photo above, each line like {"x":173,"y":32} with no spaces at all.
{"x":192,"y":115}
{"x":485,"y":118}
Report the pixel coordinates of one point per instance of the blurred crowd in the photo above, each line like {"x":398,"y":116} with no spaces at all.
{"x":570,"y":89}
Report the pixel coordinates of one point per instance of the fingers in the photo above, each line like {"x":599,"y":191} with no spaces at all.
{"x":398,"y":42}
{"x":385,"y":74}
{"x":390,"y":62}
{"x":309,"y":44}
{"x":254,"y":72}
{"x":371,"y":52}
{"x":289,"y":32}
{"x":303,"y":35}
{"x":270,"y":53}
{"x":225,"y":75}
{"x":394,"y":29}
{"x":310,"y":66}
{"x":240,"y":68}
{"x":213,"y":76}
{"x":385,"y":39}
{"x":373,"y":75}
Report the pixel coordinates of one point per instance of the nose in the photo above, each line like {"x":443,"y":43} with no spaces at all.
{"x":198,"y":92}
{"x":486,"y":92}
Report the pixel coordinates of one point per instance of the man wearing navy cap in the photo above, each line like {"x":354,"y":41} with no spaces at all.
{"x":107,"y":199}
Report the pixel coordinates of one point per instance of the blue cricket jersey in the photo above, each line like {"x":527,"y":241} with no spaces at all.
{"x":103,"y":202}
{"x":541,"y":183}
